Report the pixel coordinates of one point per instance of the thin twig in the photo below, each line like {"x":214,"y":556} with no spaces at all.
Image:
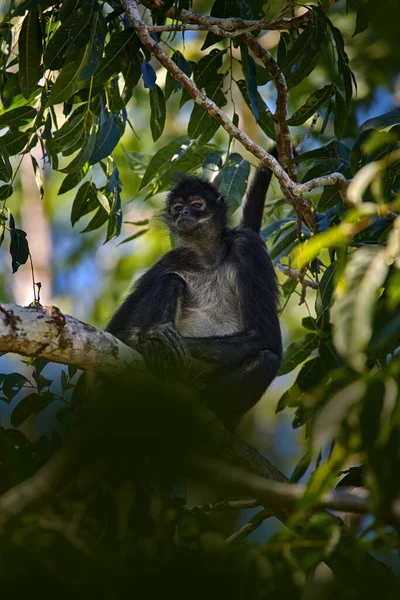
{"x":249,"y":527}
{"x":296,"y":274}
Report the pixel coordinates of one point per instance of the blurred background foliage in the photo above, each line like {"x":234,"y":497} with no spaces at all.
{"x":340,"y":376}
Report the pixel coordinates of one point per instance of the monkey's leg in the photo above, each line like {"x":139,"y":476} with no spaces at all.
{"x":231,"y":393}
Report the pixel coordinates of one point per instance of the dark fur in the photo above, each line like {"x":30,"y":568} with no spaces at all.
{"x":219,"y":289}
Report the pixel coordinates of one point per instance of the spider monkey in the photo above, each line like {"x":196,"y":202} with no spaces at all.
{"x":214,"y":299}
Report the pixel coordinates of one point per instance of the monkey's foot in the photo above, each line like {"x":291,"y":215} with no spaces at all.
{"x":165,"y":351}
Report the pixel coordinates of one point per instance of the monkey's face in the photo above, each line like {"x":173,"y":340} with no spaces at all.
{"x":194,"y":209}
{"x":188,"y":213}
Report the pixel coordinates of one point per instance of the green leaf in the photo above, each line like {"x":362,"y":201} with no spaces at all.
{"x":234,"y":181}
{"x":201,"y":124}
{"x":298,"y":351}
{"x":171,"y":85}
{"x":95,"y":46}
{"x":30,"y":406}
{"x":265,"y":118}
{"x":71,"y":132}
{"x":221,"y":8}
{"x":382,"y":121}
{"x":274,"y":227}
{"x":19,"y":248}
{"x":158,"y":111}
{"x":15,"y":141}
{"x":301,"y":467}
{"x":17,"y":117}
{"x":71,"y":36}
{"x":353,"y":311}
{"x":162,"y":159}
{"x":249,"y":72}
{"x":98,"y":220}
{"x":71,"y":180}
{"x":89,"y":141}
{"x":108,"y":136}
{"x":38,"y":176}
{"x":68,"y":82}
{"x":317,"y":99}
{"x":134,"y":236}
{"x":207,"y":67}
{"x":120,"y":50}
{"x":5,"y":191}
{"x":5,"y":165}
{"x":85,"y":201}
{"x":285,"y":243}
{"x":324,"y":297}
{"x":12,"y":385}
{"x":327,"y":424}
{"x":340,"y":114}
{"x":131,"y":73}
{"x":30,"y":52}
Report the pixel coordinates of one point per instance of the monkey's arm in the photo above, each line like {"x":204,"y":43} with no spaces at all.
{"x":225,"y":350}
{"x":152,"y":302}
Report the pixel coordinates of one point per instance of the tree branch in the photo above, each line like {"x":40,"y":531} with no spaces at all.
{"x":230,"y":24}
{"x":48,"y":333}
{"x":277,"y":494}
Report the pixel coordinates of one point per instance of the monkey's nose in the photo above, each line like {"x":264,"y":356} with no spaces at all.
{"x":185,"y":210}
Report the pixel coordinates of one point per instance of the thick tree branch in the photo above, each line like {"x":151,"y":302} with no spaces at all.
{"x":48,"y":333}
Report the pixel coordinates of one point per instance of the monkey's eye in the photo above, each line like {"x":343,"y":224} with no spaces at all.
{"x":177,"y":207}
{"x":198,"y":203}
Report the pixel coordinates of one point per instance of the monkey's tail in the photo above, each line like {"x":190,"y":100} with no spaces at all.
{"x":254,"y":204}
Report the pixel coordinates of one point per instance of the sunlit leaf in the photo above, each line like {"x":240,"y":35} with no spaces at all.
{"x":354,"y":307}
{"x":17,"y":117}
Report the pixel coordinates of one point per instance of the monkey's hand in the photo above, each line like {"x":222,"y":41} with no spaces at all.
{"x":165,"y":351}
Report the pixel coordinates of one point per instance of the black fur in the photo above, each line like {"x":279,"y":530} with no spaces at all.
{"x":221,"y":282}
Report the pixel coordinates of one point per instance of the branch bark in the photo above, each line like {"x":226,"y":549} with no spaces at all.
{"x":48,"y":333}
